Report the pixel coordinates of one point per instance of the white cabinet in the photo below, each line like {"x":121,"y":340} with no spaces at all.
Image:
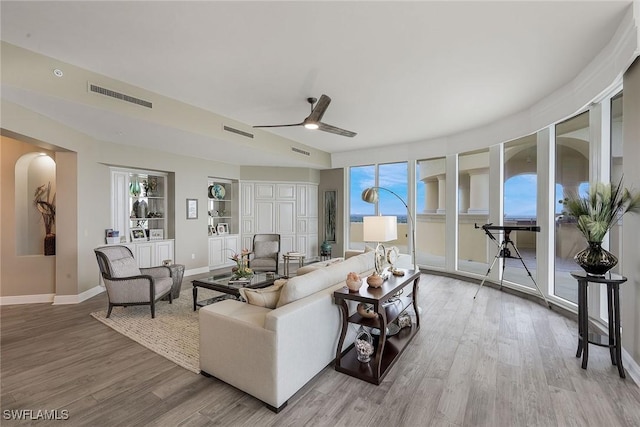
{"x":285,"y":208}
{"x":221,"y":248}
{"x":265,"y":219}
{"x":151,"y":253}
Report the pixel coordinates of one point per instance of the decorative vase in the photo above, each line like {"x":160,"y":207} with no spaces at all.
{"x":364,"y":345}
{"x":366,"y":310}
{"x":375,"y":280}
{"x":134,"y":187}
{"x":325,"y":247}
{"x":595,"y":260}
{"x":50,"y":244}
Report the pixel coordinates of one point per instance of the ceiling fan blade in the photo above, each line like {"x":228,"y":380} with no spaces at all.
{"x":278,"y":126}
{"x":332,"y":129}
{"x":319,"y":109}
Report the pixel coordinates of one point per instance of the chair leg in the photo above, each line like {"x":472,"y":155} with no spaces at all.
{"x":109,"y":311}
{"x":171,"y":296}
{"x":153,"y":310}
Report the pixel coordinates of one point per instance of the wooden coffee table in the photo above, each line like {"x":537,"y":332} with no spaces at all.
{"x":230,"y":289}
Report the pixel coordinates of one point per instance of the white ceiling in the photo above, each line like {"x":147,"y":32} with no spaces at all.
{"x":397,"y":72}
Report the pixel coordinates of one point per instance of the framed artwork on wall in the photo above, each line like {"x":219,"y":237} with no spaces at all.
{"x":330,"y":209}
{"x":192,"y":208}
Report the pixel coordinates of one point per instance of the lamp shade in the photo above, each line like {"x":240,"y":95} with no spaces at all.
{"x":380,"y":228}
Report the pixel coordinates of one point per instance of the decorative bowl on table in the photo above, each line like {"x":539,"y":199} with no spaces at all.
{"x":375,"y":280}
{"x":354,"y":282}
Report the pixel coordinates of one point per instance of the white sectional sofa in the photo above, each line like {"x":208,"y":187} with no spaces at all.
{"x":271,"y":353}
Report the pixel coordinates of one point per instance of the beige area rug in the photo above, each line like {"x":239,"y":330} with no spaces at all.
{"x":174,"y":333}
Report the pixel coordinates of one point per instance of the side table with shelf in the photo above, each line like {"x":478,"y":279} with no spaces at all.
{"x":390,"y":348}
{"x":612,"y":341}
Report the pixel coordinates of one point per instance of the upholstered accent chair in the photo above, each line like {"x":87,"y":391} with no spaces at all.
{"x":266,"y":252}
{"x":127,"y":284}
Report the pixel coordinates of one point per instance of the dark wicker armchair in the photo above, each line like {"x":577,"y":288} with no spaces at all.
{"x":129,"y":285}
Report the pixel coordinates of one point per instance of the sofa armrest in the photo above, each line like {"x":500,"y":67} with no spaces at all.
{"x":235,"y":348}
{"x":352,"y":252}
{"x":159,"y":271}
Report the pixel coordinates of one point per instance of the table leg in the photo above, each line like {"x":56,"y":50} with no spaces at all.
{"x":195,"y":297}
{"x":344,"y":309}
{"x":286,"y":266}
{"x":580,"y":314}
{"x":612,"y":326}
{"x":616,"y":308}
{"x":585,"y":325}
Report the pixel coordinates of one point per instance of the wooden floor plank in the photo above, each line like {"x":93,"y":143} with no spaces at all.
{"x":495,"y":360}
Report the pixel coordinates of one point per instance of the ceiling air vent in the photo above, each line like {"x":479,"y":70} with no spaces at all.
{"x":237,"y":131}
{"x":117,"y":95}
{"x":297,"y":150}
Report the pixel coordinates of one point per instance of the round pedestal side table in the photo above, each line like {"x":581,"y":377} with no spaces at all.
{"x":612,"y":341}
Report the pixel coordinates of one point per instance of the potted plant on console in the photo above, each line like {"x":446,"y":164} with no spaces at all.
{"x":596,"y":213}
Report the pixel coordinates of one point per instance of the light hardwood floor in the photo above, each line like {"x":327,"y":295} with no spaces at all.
{"x":497,"y":361}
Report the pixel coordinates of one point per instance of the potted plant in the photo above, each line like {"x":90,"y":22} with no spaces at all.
{"x":595,"y":214}
{"x":45,"y":203}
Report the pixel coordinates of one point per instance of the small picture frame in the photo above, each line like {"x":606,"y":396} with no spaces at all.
{"x":192,"y":208}
{"x":223,"y":228}
{"x":137,"y":234}
{"x":212,"y":230}
{"x":156,"y":234}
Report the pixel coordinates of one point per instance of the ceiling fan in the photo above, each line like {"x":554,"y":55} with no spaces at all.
{"x":313,"y":120}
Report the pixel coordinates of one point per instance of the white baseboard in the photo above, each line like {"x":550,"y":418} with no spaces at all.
{"x":27,"y":299}
{"x":631,"y":366}
{"x":195,"y":271}
{"x":76,"y":299}
{"x":51,"y":298}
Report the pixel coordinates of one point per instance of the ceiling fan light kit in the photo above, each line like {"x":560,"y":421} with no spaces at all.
{"x":313,"y":120}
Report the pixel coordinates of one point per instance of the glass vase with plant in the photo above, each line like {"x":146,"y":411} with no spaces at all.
{"x":596,"y":213}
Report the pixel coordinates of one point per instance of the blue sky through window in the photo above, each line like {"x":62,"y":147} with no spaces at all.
{"x":393,"y":176}
{"x":520,"y":196}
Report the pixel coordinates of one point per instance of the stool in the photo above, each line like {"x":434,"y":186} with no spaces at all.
{"x":613,"y":282}
{"x":291,"y":256}
{"x":324,"y":255}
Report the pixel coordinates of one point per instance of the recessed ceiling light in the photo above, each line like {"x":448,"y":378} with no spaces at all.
{"x":58,"y":72}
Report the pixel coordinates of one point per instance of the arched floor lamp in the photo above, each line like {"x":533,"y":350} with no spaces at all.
{"x":370,"y":195}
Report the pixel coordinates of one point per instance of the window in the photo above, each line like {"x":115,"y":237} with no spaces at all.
{"x":391,"y":176}
{"x":520,"y":206}
{"x":473,"y":208}
{"x":360,"y":178}
{"x":430,"y":212}
{"x":571,"y":176}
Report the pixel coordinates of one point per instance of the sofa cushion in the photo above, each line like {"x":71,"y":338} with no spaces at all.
{"x":316,"y":265}
{"x":124,"y":267}
{"x":302,"y":286}
{"x":266,"y":297}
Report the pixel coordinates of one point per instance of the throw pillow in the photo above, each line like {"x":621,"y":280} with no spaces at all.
{"x":124,"y":267}
{"x":265,"y":249}
{"x":266,"y":297}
